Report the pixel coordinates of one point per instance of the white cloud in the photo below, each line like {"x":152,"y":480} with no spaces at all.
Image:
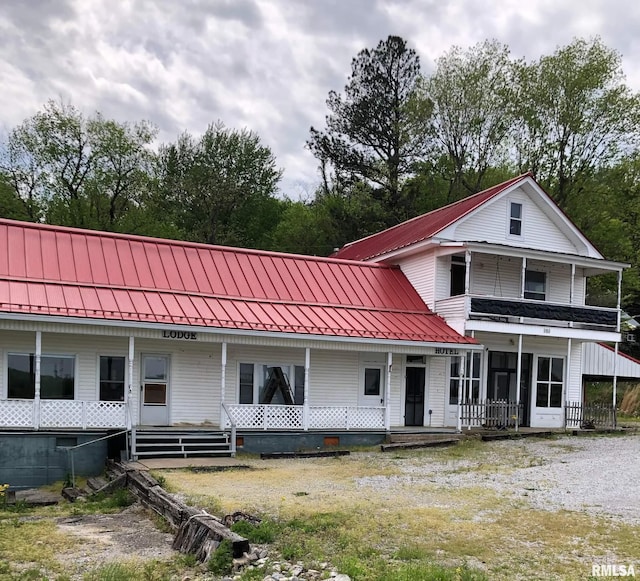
{"x":267,"y":65}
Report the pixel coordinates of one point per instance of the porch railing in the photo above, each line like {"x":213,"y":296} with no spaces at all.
{"x":292,"y":417}
{"x":63,"y":413}
{"x":579,"y":415}
{"x":491,"y":413}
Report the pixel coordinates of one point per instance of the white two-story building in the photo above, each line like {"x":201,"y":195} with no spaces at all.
{"x":470,"y":315}
{"x":507,"y":267}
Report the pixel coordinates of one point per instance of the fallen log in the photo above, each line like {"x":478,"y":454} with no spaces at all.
{"x":198,"y":532}
{"x":201,"y":535}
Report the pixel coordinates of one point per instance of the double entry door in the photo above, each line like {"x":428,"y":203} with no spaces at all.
{"x":154,"y":390}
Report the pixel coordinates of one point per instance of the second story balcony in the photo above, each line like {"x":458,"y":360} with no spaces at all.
{"x":527,"y":311}
{"x":492,"y":287}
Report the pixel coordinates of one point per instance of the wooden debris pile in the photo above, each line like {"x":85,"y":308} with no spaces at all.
{"x":197,"y":532}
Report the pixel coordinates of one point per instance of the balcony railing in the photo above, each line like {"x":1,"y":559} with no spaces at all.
{"x":511,"y":310}
{"x":63,"y":413}
{"x":292,"y":417}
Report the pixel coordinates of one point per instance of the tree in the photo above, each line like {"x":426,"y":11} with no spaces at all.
{"x":576,"y":115}
{"x":218,"y":187}
{"x":74,"y":170}
{"x":372,"y":134}
{"x":470,"y":105}
{"x":11,"y":205}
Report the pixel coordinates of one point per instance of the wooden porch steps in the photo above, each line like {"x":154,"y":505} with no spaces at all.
{"x":171,"y":443}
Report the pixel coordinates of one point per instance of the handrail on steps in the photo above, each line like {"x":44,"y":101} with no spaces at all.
{"x":71,"y":449}
{"x":232,"y":423}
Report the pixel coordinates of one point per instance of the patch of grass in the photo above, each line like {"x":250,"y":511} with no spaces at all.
{"x":114,"y":572}
{"x":222,"y":559}
{"x":33,"y":543}
{"x":265,"y":532}
{"x":411,"y":553}
{"x":104,"y":503}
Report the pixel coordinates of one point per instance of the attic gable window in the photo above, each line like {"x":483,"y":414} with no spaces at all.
{"x":515,"y":219}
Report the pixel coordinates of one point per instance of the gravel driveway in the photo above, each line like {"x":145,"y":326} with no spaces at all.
{"x":598,"y":475}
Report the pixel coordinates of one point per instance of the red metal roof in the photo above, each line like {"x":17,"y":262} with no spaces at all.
{"x":52,"y":270}
{"x":421,"y":227}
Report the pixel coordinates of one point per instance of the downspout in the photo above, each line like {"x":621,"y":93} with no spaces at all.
{"x":305,"y":398}
{"x":36,"y":394}
{"x":518,"y":380}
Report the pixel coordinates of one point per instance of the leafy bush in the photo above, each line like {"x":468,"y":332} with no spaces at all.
{"x":222,"y":559}
{"x":265,"y":532}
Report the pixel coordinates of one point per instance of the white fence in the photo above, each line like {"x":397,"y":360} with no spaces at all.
{"x":63,"y":413}
{"x":293,"y":417}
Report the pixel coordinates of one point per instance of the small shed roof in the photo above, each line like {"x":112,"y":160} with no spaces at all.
{"x":598,"y":360}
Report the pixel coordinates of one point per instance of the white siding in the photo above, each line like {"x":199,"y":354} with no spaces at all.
{"x":86,"y":354}
{"x":496,"y":276}
{"x":437,"y":395}
{"x":579,"y":289}
{"x":558,"y":279}
{"x":598,"y":360}
{"x":443,"y":277}
{"x":397,"y":390}
{"x":490,"y":224}
{"x":500,"y":276}
{"x":420,"y":270}
{"x":334,"y":378}
{"x":573,"y":390}
{"x":194,"y":379}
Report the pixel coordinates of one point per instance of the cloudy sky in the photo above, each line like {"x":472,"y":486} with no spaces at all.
{"x":267,"y":65}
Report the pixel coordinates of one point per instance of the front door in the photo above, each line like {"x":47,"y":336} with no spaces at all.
{"x":414,"y":398}
{"x":154,"y":410}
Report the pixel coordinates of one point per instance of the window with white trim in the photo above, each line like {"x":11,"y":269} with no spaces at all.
{"x":471,"y":381}
{"x":515,"y":219}
{"x":372,"y":381}
{"x":112,"y":374}
{"x":549,"y":382}
{"x":535,"y":285}
{"x":270,"y":384}
{"x":57,"y":376}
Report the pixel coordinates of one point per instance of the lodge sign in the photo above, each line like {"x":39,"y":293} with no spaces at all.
{"x":186,"y":335}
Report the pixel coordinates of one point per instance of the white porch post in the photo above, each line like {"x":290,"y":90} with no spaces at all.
{"x":467,"y":272}
{"x":36,"y":394}
{"x":130,"y":358}
{"x":387,"y":399}
{"x":223,"y":380}
{"x":518,"y":379}
{"x":305,"y":397}
{"x":460,"y":384}
{"x":572,"y":288}
{"x":523,"y":276}
{"x":565,"y":384}
{"x":615,"y":381}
